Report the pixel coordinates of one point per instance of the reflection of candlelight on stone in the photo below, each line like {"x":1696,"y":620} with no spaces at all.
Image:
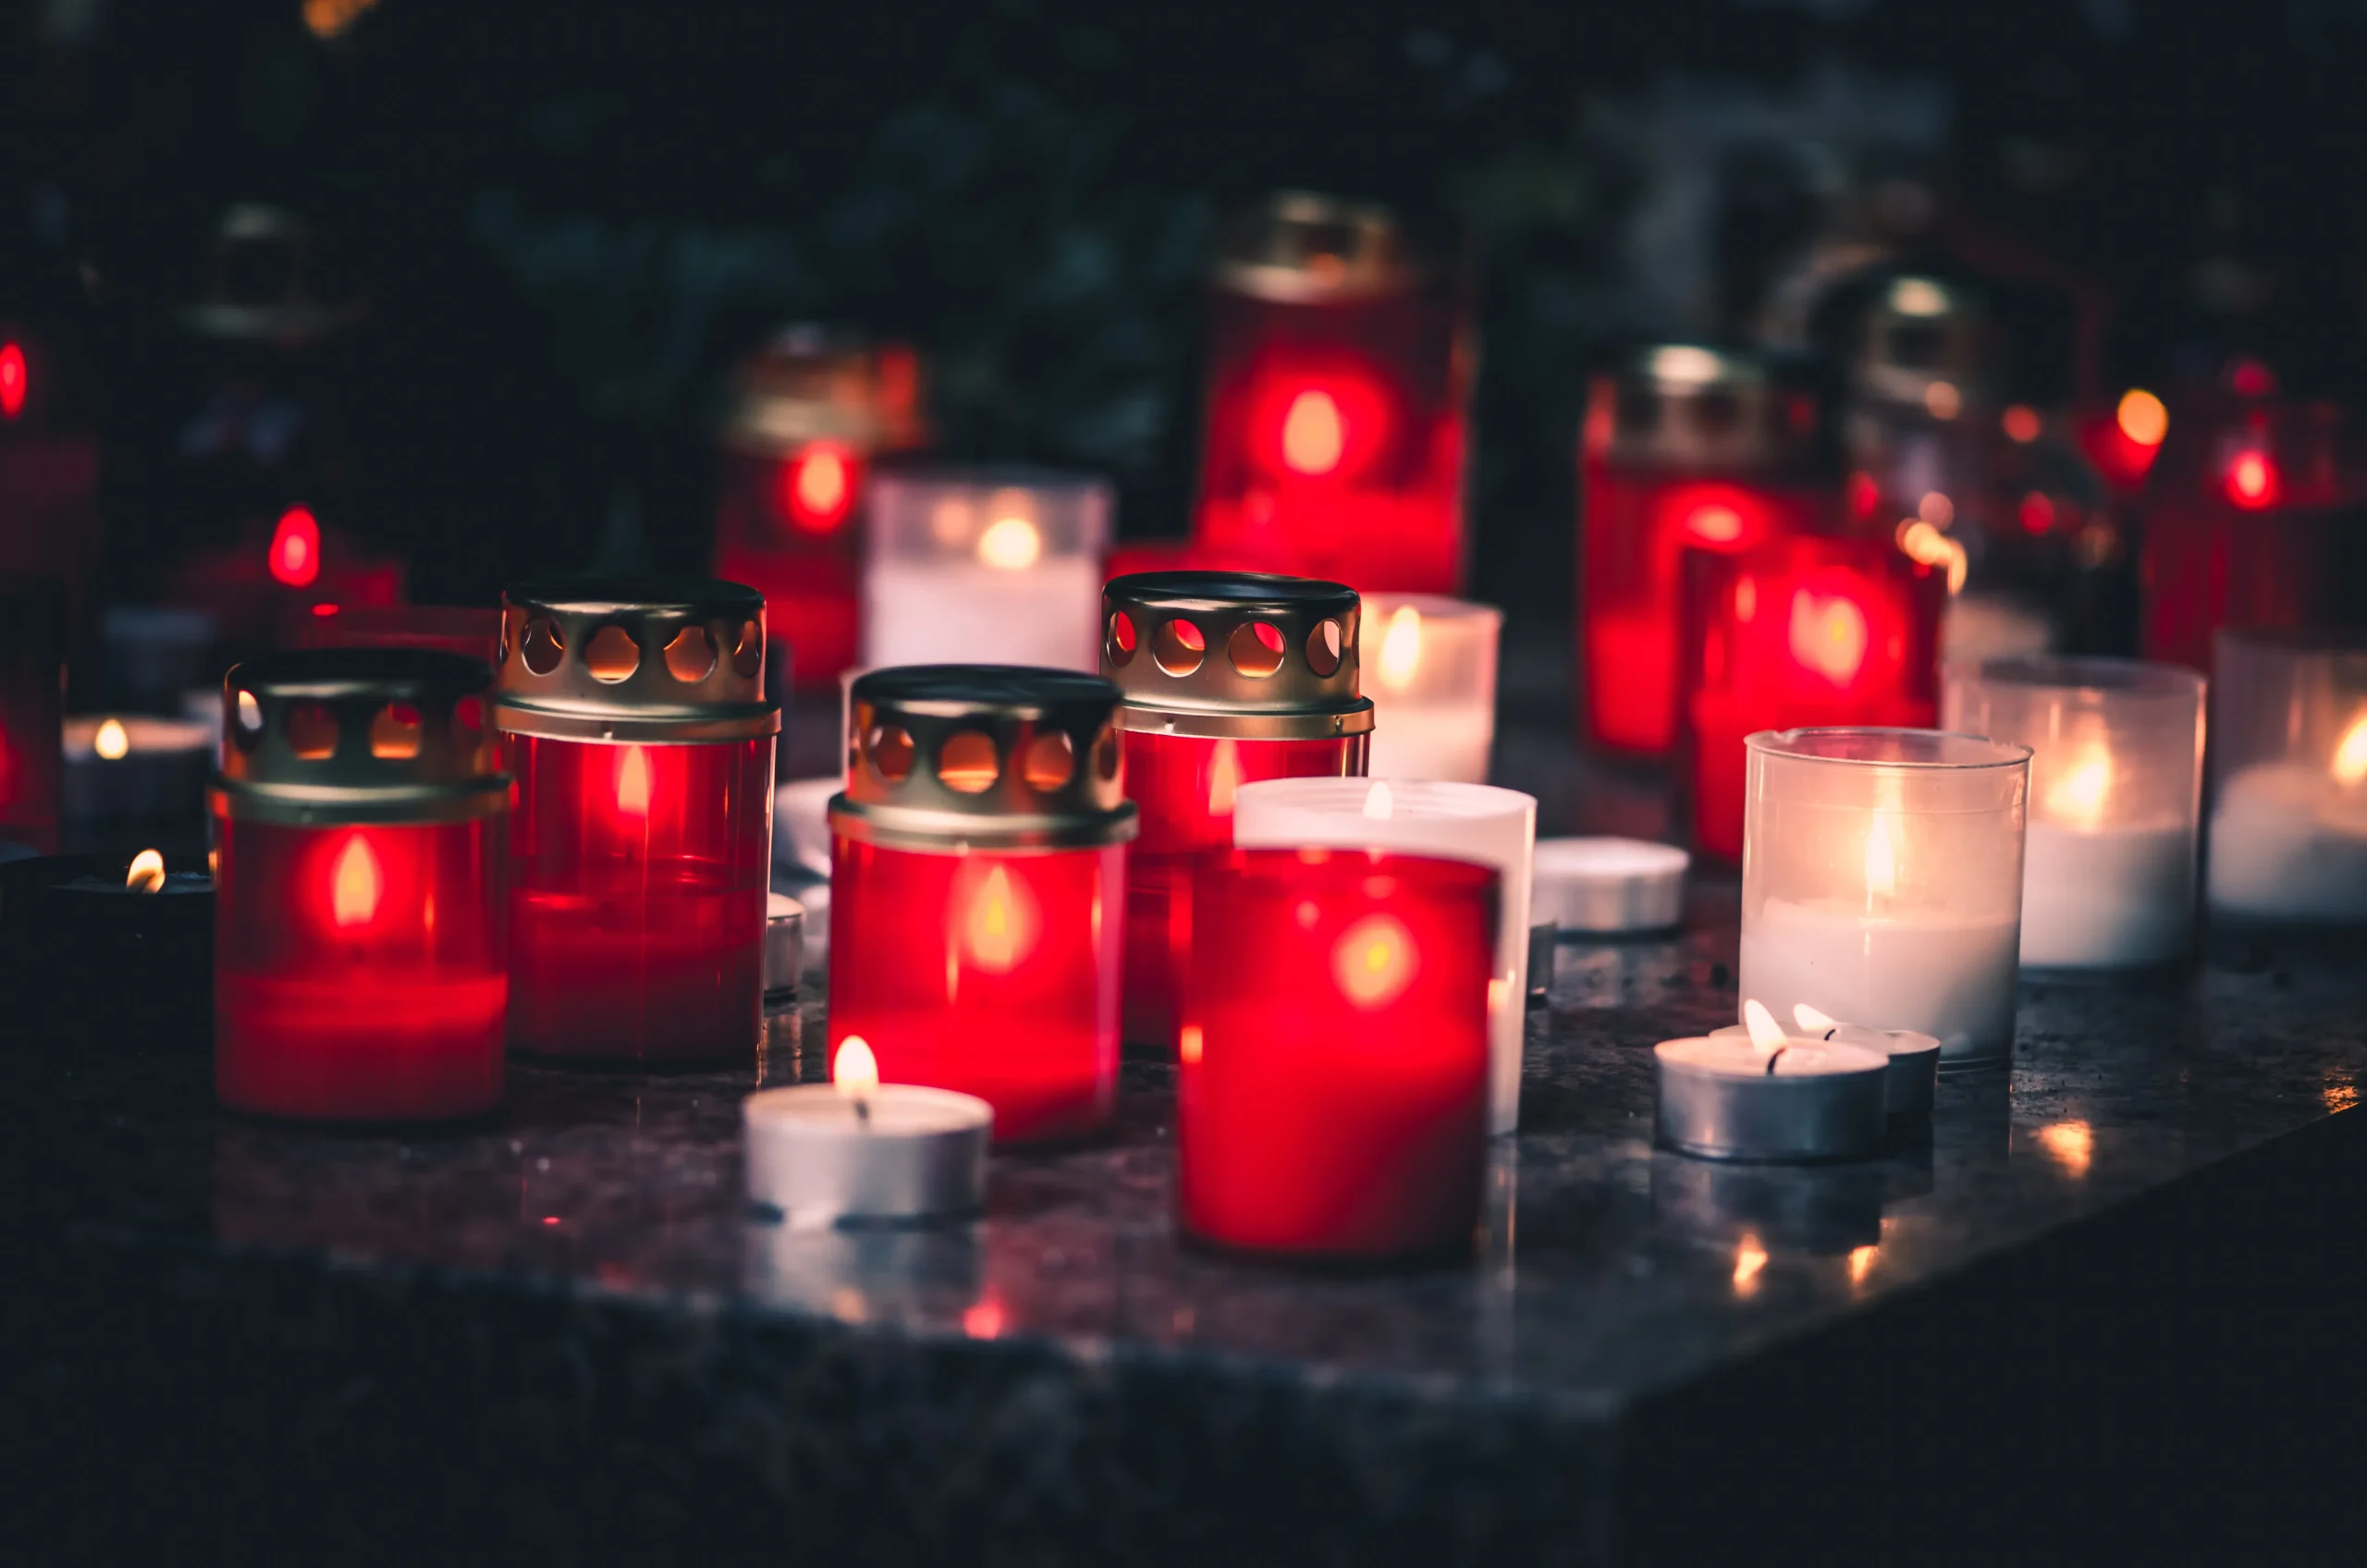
{"x":1861,"y":1263}
{"x":1749,"y":1258}
{"x":2071,"y":1144}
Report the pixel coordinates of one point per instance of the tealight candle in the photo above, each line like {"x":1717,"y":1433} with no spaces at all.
{"x":857,"y":1149}
{"x":1769,"y":1095}
{"x":2116,"y":786}
{"x":1914,"y":1058}
{"x":1431,"y":675}
{"x":985,"y":567}
{"x":1883,"y":882}
{"x":74,"y":929}
{"x":784,"y":947}
{"x":1474,"y":822}
{"x":135,"y":768}
{"x":1609,"y":885}
{"x":2288,"y":819}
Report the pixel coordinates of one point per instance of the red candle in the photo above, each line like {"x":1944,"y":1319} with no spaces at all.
{"x":1334,"y":439}
{"x":809,"y":412}
{"x":1801,"y":632}
{"x":1685,"y":448}
{"x":977,"y":920}
{"x":360,"y":965}
{"x":51,"y":525}
{"x":1332,"y":1098}
{"x":32,"y":658}
{"x":1229,"y":678}
{"x":640,"y":853}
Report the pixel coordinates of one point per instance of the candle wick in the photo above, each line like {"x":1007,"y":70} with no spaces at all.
{"x":863,"y":1109}
{"x":1773,"y":1057}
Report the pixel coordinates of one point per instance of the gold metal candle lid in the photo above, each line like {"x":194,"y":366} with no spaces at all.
{"x":1924,"y":344}
{"x":1300,"y":248}
{"x":652,"y":660}
{"x":1234,"y":654}
{"x":1691,"y":405}
{"x":339,"y":735}
{"x":814,"y":384}
{"x":952,"y":757}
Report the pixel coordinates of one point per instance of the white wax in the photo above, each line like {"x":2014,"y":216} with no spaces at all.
{"x":1733,"y":1056}
{"x":1935,"y":974}
{"x":1608,"y":884}
{"x":967,"y":612}
{"x":2288,"y":843}
{"x":1470,"y":822}
{"x":1430,"y":741}
{"x":2106,"y":897}
{"x":919,"y":1151}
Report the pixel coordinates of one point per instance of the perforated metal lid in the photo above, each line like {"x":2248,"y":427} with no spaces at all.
{"x":649,"y":661}
{"x":1298,"y":247}
{"x":820,"y":384}
{"x":1691,"y":405}
{"x":1234,"y":653}
{"x":334,"y":735}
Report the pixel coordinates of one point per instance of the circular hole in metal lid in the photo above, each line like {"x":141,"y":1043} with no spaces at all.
{"x":690,"y":657}
{"x":1179,"y":647}
{"x":748,"y":651}
{"x":544,"y":647}
{"x":889,"y":751}
{"x":395,"y":733}
{"x":1121,"y":638}
{"x":967,"y":762}
{"x":612,"y":655}
{"x":1049,"y":763}
{"x":1255,"y":649}
{"x":311,"y":731}
{"x":1323,"y":645}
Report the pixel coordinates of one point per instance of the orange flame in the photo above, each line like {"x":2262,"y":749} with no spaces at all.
{"x":1828,"y":635}
{"x":854,"y":1071}
{"x":1224,"y":779}
{"x":1001,"y":927}
{"x":355,"y":884}
{"x":1373,"y":961}
{"x":1314,"y":436}
{"x":146,"y":873}
{"x":818,"y":487}
{"x":632,"y":782}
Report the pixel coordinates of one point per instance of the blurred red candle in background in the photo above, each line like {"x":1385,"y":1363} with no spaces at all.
{"x":32,"y":687}
{"x":1332,"y":1092}
{"x":470,"y":631}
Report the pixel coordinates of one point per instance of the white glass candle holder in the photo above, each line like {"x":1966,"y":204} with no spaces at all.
{"x":985,"y":565}
{"x":1469,"y":822}
{"x":1431,"y":671}
{"x":1881,"y":882}
{"x":2288,"y":780}
{"x":2116,"y":793}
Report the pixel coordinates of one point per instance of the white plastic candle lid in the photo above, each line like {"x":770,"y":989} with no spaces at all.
{"x":802,"y":824}
{"x":1608,"y":884}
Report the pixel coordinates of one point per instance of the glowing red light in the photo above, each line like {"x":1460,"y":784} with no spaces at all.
{"x":2037,"y":513}
{"x":818,"y":486}
{"x":2249,"y":378}
{"x":983,"y":1320}
{"x":1329,"y":429}
{"x":1314,"y":436}
{"x":1864,"y":494}
{"x":2251,"y":481}
{"x":1714,"y":525}
{"x":324,"y":611}
{"x":2143,"y":418}
{"x":12,"y":380}
{"x":296,"y":547}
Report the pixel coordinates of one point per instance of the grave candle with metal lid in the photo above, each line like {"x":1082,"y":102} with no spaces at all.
{"x":640,"y":857}
{"x":1229,"y":678}
{"x":976,"y":890}
{"x":360,"y":969}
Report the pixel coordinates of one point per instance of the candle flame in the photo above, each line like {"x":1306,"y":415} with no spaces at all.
{"x":1011,"y":543}
{"x":853,"y":1070}
{"x":1881,"y":858}
{"x":1749,"y":1258}
{"x":1001,"y":925}
{"x":1224,"y":779}
{"x":1401,"y":649}
{"x":820,"y":486}
{"x":146,"y":874}
{"x":632,"y":782}
{"x":1861,"y":1263}
{"x":2350,"y":754}
{"x":1380,"y":804}
{"x":355,"y":883}
{"x":1188,"y":1041}
{"x":1373,"y":961}
{"x":1926,"y":546}
{"x":1314,"y":436}
{"x":2078,"y":797}
{"x":1810,"y":1018}
{"x":1766,"y":1034}
{"x":1828,"y":635}
{"x":112,"y":741}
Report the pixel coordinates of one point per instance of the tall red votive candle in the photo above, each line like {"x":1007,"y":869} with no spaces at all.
{"x":1685,"y":448}
{"x":1801,"y":632}
{"x":1333,"y":1093}
{"x":33,"y":696}
{"x":1337,"y":373}
{"x":977,"y":873}
{"x":360,"y":973}
{"x":640,"y":855}
{"x":1229,"y":678}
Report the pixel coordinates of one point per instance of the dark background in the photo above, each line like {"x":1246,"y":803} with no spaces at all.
{"x":570,"y":215}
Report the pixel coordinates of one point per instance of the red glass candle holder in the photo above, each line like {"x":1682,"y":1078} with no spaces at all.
{"x":2252,"y":520}
{"x":51,"y":525}
{"x":1229,"y":678}
{"x":1337,"y":373}
{"x":810,"y":411}
{"x":361,"y":972}
{"x":1685,"y":448}
{"x":640,"y":855}
{"x":1802,"y":632}
{"x":977,"y":873}
{"x":1332,"y":1093}
{"x":32,"y":667}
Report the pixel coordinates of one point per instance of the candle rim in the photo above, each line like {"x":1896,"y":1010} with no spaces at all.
{"x":1609,"y":857}
{"x":1332,"y":862}
{"x":1473,"y":802}
{"x":1788,"y":745}
{"x":1866,"y":1059}
{"x":2092,"y":677}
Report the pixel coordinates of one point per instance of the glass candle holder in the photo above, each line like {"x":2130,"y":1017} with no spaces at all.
{"x":1684,"y":446}
{"x":2115,"y":793}
{"x":32,"y":691}
{"x":640,"y":853}
{"x":1229,"y":678}
{"x":1797,"y":632}
{"x":1474,"y":822}
{"x":976,"y":890}
{"x":983,"y":565}
{"x":1331,"y":1097}
{"x":1338,"y":375}
{"x":1881,"y":883}
{"x":1433,"y":686}
{"x":50,"y":524}
{"x":2288,"y":780}
{"x":2249,"y":520}
{"x":361,"y":972}
{"x":808,"y":414}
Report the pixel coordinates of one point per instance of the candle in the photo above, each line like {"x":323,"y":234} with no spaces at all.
{"x":784,"y":948}
{"x":1433,"y":686}
{"x":32,"y":670}
{"x":110,"y":945}
{"x":1769,"y":1095}
{"x":985,"y":567}
{"x":858,"y":1149}
{"x":1229,"y":678}
{"x":802,"y":824}
{"x":976,"y":890}
{"x":1334,"y":443}
{"x":360,"y":973}
{"x":129,"y":767}
{"x":2115,"y":778}
{"x":1609,"y":885}
{"x":1332,"y":1087}
{"x":1913,"y":1058}
{"x":1883,"y":882}
{"x":640,"y":856}
{"x":1475,"y":822}
{"x":2288,"y":823}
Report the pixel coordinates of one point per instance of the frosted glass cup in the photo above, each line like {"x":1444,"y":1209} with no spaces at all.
{"x":985,"y":565}
{"x":2288,"y":780}
{"x":2115,"y":793}
{"x":1881,"y":882}
{"x":1429,"y":666}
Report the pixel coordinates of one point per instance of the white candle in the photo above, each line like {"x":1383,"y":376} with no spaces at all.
{"x":1431,"y":671}
{"x":1922,"y":969}
{"x":1768,"y":1094}
{"x":2288,"y":841}
{"x":983,"y":566}
{"x":135,"y":768}
{"x":1470,"y":822}
{"x":859,"y":1149}
{"x":1914,"y":1058}
{"x":1609,"y":884}
{"x":802,"y":824}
